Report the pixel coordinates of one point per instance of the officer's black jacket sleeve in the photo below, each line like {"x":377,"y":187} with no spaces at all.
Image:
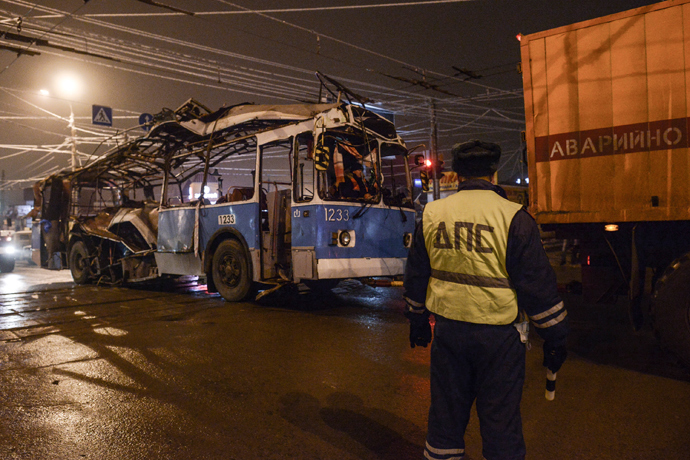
{"x":534,"y":280}
{"x":417,"y":270}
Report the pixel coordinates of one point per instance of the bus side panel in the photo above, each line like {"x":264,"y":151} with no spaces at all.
{"x":244,"y":218}
{"x":377,"y":247}
{"x":377,"y":233}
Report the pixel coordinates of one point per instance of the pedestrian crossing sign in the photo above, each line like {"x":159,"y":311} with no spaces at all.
{"x":101,"y":115}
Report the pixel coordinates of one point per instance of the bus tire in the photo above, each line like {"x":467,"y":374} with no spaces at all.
{"x":6,"y":264}
{"x":671,"y":308}
{"x":230,"y":270}
{"x":79,"y":264}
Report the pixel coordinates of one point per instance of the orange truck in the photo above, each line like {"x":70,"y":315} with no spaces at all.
{"x":607,"y":109}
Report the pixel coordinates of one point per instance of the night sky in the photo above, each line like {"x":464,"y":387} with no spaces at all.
{"x":403,"y":57}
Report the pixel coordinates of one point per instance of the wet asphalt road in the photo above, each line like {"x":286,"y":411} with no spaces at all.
{"x":171,"y":372}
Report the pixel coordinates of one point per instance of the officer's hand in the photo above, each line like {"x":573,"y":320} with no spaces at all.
{"x":554,"y":356}
{"x":420,"y":329}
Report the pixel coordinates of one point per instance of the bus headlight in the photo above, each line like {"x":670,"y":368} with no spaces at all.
{"x":344,"y":238}
{"x":407,"y":239}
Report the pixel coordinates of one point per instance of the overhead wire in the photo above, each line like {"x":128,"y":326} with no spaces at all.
{"x":164,"y":38}
{"x":284,"y":10}
{"x":272,"y":85}
{"x":19,"y":55}
{"x":236,"y":55}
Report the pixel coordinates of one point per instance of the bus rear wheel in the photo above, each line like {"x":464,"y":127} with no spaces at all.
{"x":79,"y":264}
{"x":671,"y":308}
{"x":230,"y":270}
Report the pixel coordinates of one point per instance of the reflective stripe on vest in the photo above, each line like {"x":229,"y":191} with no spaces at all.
{"x":466,"y":237}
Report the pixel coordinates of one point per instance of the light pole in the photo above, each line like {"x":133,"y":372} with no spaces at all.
{"x":69,"y":87}
{"x":73,"y":132}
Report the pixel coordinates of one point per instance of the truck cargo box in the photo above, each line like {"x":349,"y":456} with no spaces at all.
{"x":606,"y":105}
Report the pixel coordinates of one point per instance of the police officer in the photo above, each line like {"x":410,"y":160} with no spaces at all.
{"x":476,"y":262}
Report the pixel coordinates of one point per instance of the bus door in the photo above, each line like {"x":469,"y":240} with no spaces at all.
{"x":176,"y":253}
{"x":230,"y":207}
{"x":198,"y":210}
{"x":275,"y":182}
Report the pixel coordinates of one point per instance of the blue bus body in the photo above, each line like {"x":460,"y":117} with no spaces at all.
{"x":317,"y":193}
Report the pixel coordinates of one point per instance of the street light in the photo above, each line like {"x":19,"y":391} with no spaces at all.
{"x":68,"y":87}
{"x":73,"y":132}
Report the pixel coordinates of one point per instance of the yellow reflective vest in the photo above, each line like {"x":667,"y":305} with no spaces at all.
{"x":466,"y":237}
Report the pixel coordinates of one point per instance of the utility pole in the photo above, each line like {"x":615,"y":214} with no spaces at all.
{"x":74,"y":138}
{"x":434,"y":149}
{"x":2,"y":195}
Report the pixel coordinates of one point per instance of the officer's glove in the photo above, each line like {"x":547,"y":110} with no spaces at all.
{"x":554,"y":356}
{"x":420,"y":329}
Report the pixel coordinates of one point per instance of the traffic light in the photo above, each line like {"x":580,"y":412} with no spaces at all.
{"x":424,"y":177}
{"x":429,"y":169}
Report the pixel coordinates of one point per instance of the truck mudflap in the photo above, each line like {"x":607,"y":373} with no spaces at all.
{"x":671,"y":308}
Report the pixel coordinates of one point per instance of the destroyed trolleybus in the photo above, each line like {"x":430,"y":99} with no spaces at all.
{"x":248,"y":194}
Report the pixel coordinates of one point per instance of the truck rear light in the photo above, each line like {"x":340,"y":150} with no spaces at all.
{"x":611,"y":227}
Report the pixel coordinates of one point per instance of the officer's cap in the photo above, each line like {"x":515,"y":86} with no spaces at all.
{"x":475,"y":158}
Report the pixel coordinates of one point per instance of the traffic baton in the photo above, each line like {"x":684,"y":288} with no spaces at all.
{"x":550,"y":385}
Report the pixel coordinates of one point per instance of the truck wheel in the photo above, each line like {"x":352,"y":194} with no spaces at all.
{"x":6,"y":264}
{"x":230,"y":270}
{"x":79,"y":263}
{"x":671,"y":308}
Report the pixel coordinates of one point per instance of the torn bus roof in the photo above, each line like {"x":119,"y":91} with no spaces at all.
{"x":269,"y":114}
{"x":185,"y":135}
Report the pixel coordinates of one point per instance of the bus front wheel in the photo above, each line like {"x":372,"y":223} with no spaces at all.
{"x":230,"y":270}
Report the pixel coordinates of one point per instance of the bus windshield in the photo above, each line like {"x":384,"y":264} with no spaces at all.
{"x":351,"y":172}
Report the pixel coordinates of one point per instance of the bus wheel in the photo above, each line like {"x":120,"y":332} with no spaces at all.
{"x":230,"y":270}
{"x":671,"y":308}
{"x":79,"y":264}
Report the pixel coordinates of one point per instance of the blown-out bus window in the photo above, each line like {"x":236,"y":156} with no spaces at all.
{"x":304,"y":168}
{"x":395,"y":172}
{"x":347,"y":167}
{"x":232,"y":173}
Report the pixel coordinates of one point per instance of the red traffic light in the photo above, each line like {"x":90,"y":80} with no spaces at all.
{"x":427,"y":163}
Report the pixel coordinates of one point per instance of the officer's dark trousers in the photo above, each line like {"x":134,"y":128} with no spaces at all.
{"x":476,"y":362}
